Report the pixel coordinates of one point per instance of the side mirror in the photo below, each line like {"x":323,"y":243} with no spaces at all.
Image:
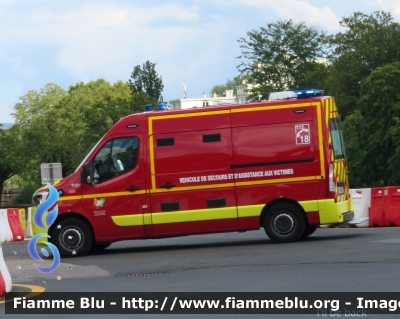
{"x":87,"y":174}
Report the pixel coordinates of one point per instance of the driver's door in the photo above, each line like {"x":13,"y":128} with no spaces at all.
{"x":114,"y":202}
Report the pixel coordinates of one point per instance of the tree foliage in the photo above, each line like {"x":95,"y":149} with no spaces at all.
{"x":318,"y":76}
{"x":11,"y":154}
{"x":279,"y":56}
{"x":373,"y":132}
{"x":146,"y":80}
{"x":25,"y":196}
{"x":62,"y":126}
{"x":368,"y":42}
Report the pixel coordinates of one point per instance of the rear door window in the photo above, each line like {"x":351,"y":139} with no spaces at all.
{"x":337,"y":139}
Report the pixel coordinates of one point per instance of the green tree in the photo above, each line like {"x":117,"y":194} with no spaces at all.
{"x":279,"y":56}
{"x":96,"y":106}
{"x":25,"y":197}
{"x":11,"y":154}
{"x":139,"y":100}
{"x":374,"y":155}
{"x":62,"y":126}
{"x":368,"y":42}
{"x":35,"y":115}
{"x":318,"y":76}
{"x":146,"y":80}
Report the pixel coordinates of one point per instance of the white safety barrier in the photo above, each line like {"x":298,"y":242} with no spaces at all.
{"x":5,"y":235}
{"x":5,"y":226}
{"x":28,"y":230}
{"x":5,"y":274}
{"x":362,"y":202}
{"x":2,"y":231}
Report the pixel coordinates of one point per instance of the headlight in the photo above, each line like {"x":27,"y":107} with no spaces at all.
{"x":39,"y":198}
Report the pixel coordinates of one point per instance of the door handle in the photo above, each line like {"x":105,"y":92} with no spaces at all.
{"x":168,"y":185}
{"x":133,"y":188}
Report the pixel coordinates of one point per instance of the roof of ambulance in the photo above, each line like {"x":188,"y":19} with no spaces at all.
{"x":140,"y":118}
{"x":229,"y":106}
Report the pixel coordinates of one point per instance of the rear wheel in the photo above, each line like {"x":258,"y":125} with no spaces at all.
{"x":73,"y":237}
{"x":310,"y":229}
{"x":284,"y":223}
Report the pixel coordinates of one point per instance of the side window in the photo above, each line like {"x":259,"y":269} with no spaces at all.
{"x":115,"y":158}
{"x":337,"y":139}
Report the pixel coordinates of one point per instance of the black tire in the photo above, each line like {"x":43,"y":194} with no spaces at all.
{"x":73,"y":237}
{"x":96,"y":248}
{"x":310,"y":229}
{"x":284,"y":223}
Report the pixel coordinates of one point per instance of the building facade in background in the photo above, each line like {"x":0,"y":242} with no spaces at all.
{"x":242,"y":92}
{"x":204,"y":101}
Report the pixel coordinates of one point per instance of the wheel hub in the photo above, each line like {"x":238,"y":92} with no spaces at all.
{"x":283,"y":223}
{"x":72,"y":238}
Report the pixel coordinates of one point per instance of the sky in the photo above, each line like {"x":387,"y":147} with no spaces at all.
{"x":191,"y":41}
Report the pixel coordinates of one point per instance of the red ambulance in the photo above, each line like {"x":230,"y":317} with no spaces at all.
{"x":278,"y":164}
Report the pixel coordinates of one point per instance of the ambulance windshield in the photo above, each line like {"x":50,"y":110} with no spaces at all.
{"x":337,"y":139}
{"x":84,"y":160}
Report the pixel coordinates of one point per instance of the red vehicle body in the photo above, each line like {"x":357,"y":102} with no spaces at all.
{"x":275,"y":164}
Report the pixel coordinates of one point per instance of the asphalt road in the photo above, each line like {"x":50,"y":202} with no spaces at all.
{"x":331,"y":260}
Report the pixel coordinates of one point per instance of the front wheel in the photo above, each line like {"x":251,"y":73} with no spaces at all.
{"x":73,"y":237}
{"x":284,"y":223}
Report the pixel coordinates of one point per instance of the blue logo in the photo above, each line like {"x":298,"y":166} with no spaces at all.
{"x":38,"y":220}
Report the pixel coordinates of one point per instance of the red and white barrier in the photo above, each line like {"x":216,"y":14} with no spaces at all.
{"x":5,"y":226}
{"x":2,"y":240}
{"x":362,"y":202}
{"x":2,"y":233}
{"x":10,"y":230}
{"x":15,"y":224}
{"x":377,"y":211}
{"x":392,"y":206}
{"x":5,"y":277}
{"x":382,"y":204}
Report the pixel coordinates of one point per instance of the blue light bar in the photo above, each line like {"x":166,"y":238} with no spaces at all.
{"x":148,"y":108}
{"x":161,"y":107}
{"x":308,"y":93}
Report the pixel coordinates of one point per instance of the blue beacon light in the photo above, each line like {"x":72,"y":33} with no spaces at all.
{"x":148,"y":108}
{"x":309,"y":93}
